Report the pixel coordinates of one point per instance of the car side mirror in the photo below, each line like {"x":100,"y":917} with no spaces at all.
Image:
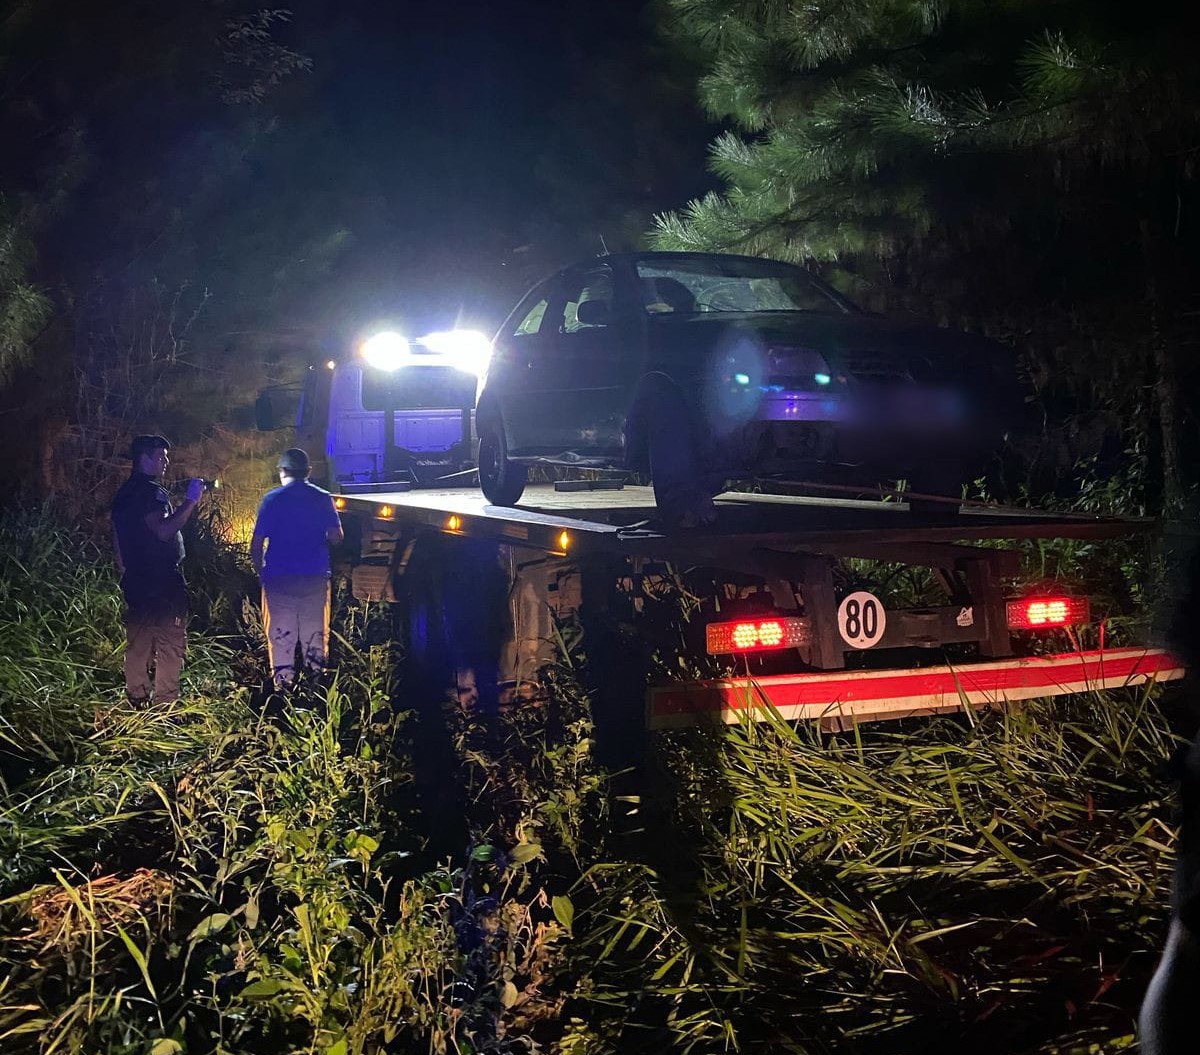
{"x":593,"y":313}
{"x":264,"y":413}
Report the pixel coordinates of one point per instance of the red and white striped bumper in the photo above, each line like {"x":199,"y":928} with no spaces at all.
{"x":848,"y":696}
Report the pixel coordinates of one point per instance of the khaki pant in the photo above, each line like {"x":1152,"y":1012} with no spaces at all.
{"x":159,"y":640}
{"x":296,"y":611}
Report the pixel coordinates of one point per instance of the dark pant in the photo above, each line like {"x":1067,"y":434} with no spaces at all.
{"x":157,"y":639}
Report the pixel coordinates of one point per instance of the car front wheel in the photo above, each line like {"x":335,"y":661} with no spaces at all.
{"x":501,"y":479}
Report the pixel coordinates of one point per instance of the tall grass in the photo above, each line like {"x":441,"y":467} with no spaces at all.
{"x":998,"y":884}
{"x":242,"y":874}
{"x":247,"y":875}
{"x":60,"y":632}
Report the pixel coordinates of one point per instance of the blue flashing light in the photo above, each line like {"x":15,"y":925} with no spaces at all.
{"x":742,"y":379}
{"x":822,"y":379}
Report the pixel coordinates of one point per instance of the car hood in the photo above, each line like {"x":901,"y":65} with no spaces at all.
{"x":864,"y":346}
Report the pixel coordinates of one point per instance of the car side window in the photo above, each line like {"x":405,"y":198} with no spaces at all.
{"x":594,"y":286}
{"x":532,"y":321}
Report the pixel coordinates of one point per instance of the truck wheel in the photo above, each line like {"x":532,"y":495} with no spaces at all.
{"x":501,"y":480}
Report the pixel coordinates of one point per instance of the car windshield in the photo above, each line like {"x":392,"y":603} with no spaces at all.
{"x":690,"y":285}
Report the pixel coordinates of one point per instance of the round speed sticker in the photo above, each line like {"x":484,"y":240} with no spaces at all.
{"x":861,"y":619}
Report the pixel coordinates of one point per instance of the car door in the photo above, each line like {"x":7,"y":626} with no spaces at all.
{"x":517,"y":351}
{"x":583,"y":376}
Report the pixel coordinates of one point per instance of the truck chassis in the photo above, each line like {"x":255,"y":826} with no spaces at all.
{"x":483,"y":588}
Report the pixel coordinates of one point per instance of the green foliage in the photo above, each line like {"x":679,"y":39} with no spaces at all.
{"x":866,"y":114}
{"x":1022,"y":168}
{"x":219,"y":877}
{"x":250,"y":875}
{"x":149,"y":240}
{"x":23,"y":308}
{"x":60,"y":624}
{"x":910,"y":890}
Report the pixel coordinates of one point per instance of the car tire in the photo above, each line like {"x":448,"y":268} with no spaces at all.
{"x":501,"y":479}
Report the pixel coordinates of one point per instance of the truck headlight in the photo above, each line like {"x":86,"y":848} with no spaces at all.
{"x":466,"y":350}
{"x":386,"y":351}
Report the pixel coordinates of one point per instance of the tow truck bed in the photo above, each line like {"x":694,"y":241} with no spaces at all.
{"x":625,"y":520}
{"x":585,"y":551}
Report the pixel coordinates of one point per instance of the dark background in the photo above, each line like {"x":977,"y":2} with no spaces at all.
{"x":199,"y":199}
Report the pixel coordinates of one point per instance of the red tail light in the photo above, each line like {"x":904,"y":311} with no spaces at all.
{"x":757,"y":635}
{"x":1043,"y":613}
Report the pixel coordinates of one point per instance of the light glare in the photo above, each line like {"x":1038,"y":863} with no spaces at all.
{"x":756,"y":635}
{"x":745,"y":635}
{"x":466,"y":350}
{"x":1041,"y":612}
{"x":386,"y":351}
{"x":770,"y":634}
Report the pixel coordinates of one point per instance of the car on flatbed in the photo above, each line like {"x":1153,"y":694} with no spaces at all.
{"x":699,"y":367}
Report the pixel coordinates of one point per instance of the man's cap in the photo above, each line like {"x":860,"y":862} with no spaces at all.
{"x":146,"y":444}
{"x":295,"y":461}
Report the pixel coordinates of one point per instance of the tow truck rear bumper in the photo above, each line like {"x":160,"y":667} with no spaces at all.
{"x":842,"y":698}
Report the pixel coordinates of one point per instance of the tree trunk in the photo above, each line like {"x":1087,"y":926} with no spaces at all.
{"x":1166,"y":385}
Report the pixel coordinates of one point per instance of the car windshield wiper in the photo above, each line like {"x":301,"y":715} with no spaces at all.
{"x":747,"y":311}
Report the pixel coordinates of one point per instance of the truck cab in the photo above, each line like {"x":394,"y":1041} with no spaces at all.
{"x":388,"y":421}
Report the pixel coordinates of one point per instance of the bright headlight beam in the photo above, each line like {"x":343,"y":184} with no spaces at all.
{"x":467,"y":350}
{"x":386,"y":351}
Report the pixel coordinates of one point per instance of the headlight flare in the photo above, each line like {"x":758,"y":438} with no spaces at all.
{"x":466,"y":350}
{"x":387,"y":351}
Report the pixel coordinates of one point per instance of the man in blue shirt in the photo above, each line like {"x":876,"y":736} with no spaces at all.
{"x":148,"y":548}
{"x":296,"y":524}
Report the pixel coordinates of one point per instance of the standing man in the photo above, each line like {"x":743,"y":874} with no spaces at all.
{"x":149,"y":548}
{"x":297,"y":522}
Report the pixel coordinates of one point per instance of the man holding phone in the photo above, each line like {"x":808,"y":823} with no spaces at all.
{"x":148,"y":547}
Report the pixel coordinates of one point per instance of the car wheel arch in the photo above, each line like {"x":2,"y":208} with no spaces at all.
{"x":487,"y":410}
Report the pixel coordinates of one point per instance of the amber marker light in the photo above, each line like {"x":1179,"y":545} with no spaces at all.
{"x":454,"y":523}
{"x":339,"y":503}
{"x":386,"y":512}
{"x":564,"y":541}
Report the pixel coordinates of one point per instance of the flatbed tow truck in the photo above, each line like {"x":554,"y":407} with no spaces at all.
{"x":769,"y":605}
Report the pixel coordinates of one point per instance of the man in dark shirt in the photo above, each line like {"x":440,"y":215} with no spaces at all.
{"x":149,"y":549}
{"x":297,"y":522}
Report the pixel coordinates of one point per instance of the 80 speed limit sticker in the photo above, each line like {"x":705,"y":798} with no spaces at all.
{"x":861,"y":619}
